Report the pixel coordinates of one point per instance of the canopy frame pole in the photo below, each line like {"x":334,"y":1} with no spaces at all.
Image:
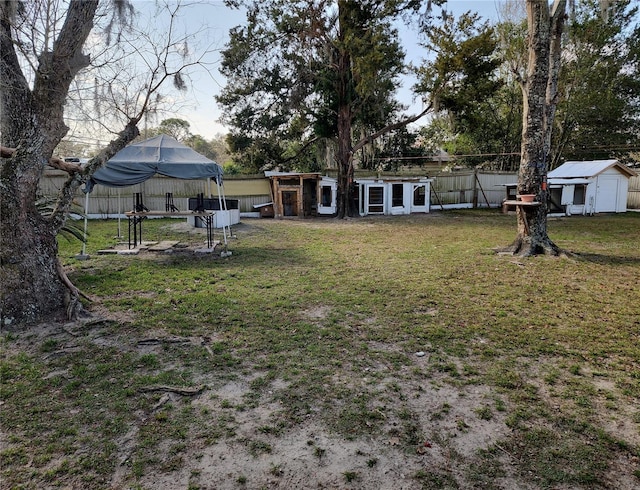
{"x":224,"y":203}
{"x":119,"y":215}
{"x":223,"y":206}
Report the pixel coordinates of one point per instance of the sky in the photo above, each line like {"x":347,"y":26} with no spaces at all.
{"x":199,"y":107}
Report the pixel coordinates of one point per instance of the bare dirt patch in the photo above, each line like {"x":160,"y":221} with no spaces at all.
{"x":311,"y":455}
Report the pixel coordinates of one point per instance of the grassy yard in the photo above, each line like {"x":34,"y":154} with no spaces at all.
{"x":367,"y":353}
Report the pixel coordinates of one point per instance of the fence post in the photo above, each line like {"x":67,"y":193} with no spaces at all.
{"x":475,"y":188}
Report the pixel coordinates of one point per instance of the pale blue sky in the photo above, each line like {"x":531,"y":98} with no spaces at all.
{"x":199,"y":107}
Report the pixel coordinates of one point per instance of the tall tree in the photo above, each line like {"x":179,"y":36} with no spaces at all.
{"x":211,"y":149}
{"x":41,"y":56}
{"x":597,"y":99}
{"x":312,"y":69}
{"x":539,"y":88}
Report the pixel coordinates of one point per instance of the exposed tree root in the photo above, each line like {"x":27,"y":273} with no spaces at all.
{"x":524,"y":246}
{"x":163,"y":400}
{"x":74,"y":307}
{"x":165,"y":340}
{"x":63,"y":352}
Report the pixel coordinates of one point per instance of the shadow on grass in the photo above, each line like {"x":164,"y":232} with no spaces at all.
{"x":607,"y":259}
{"x":244,"y":257}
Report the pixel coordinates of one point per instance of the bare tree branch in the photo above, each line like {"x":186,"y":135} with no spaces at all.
{"x":391,"y":127}
{"x":300,"y":150}
{"x":57,"y":163}
{"x":59,"y":66}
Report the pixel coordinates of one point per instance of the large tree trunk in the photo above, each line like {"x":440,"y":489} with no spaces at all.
{"x":344,"y":159}
{"x":30,"y":285}
{"x":539,"y":100}
{"x":344,"y":155}
{"x":33,"y":285}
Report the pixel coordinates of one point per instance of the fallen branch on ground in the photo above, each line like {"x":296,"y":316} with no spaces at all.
{"x":166,"y":340}
{"x":179,"y":390}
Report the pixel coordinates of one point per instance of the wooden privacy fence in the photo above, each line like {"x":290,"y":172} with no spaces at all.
{"x":633,"y":200}
{"x":469,"y":189}
{"x":460,"y":189}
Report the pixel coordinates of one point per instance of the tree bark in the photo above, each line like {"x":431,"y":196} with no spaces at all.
{"x":32,"y":122}
{"x":54,"y":162}
{"x":344,"y":158}
{"x":539,"y":100}
{"x":30,"y":287}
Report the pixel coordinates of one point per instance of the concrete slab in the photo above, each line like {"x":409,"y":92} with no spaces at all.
{"x":163,"y":246}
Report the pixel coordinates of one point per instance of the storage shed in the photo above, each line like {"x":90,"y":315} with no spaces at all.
{"x":393,"y":196}
{"x":588,"y":187}
{"x":302,"y":194}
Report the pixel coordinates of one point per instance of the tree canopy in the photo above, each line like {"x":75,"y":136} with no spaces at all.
{"x":309,"y":77}
{"x":474,"y":103}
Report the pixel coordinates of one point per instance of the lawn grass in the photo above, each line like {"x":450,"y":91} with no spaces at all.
{"x":320,"y":321}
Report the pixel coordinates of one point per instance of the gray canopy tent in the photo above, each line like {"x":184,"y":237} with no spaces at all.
{"x":161,"y":155}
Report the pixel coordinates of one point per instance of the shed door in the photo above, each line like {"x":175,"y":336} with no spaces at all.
{"x":419,"y":198}
{"x":374,"y":199}
{"x":607,"y":194}
{"x":567,"y":194}
{"x":290,"y":203}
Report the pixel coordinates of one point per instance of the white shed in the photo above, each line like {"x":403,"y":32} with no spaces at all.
{"x":597,"y":186}
{"x":393,"y":196}
{"x":328,"y":196}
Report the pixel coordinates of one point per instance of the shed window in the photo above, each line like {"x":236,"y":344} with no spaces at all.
{"x":579,"y":194}
{"x":419,"y":195}
{"x":289,"y":181}
{"x":397,"y":195}
{"x":326,"y":195}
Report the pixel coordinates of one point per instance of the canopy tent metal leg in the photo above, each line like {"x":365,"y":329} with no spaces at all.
{"x":119,"y":215}
{"x":222,"y":201}
{"x":226,"y":227}
{"x":209,"y":193}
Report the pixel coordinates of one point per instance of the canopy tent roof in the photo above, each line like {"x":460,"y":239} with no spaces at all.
{"x":158,"y":155}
